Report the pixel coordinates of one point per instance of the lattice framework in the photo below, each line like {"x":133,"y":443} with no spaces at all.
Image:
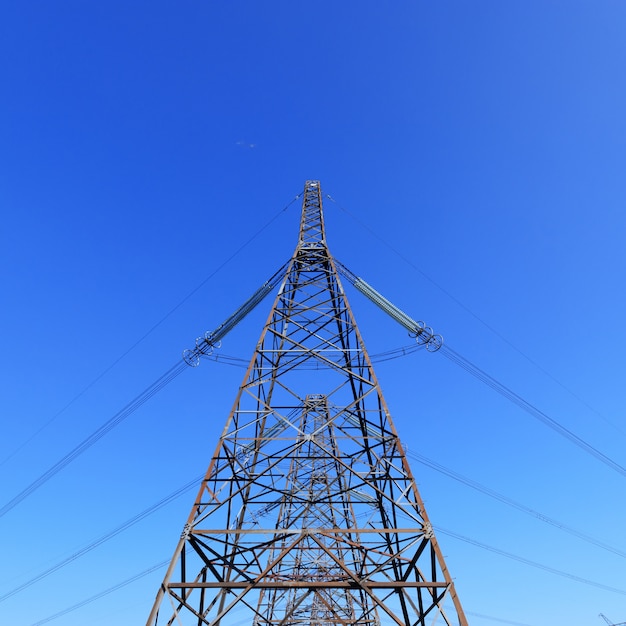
{"x":308,"y":513}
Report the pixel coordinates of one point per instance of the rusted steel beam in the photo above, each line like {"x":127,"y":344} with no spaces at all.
{"x":311,"y":584}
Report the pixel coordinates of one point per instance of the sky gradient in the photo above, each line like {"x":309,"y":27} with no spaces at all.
{"x":474,"y":155}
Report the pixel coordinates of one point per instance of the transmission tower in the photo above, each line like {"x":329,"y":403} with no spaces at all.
{"x":308,"y":513}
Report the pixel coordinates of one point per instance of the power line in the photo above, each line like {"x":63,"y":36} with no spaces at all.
{"x":149,"y":331}
{"x":130,"y":408}
{"x":503,"y":390}
{"x":106,"y":592}
{"x":109,"y":425}
{"x":463,"y":306}
{"x":434,"y":343}
{"x":106,"y":537}
{"x":496,"y":619}
{"x":134,"y":404}
{"x":379,"y":357}
{"x":526,"y":561}
{"x":508,"y":501}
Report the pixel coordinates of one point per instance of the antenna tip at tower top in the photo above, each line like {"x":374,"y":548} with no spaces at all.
{"x":312,"y":183}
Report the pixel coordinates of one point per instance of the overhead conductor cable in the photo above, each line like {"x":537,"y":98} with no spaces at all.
{"x":204,"y":345}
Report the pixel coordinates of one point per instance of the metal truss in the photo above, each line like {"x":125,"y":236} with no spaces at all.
{"x":308,"y":513}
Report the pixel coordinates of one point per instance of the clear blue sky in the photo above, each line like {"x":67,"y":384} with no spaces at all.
{"x":476,"y":152}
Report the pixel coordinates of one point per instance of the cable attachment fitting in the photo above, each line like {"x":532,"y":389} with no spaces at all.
{"x":191,"y":357}
{"x":204,"y":347}
{"x":186,"y":532}
{"x":425,"y":336}
{"x":428,"y":531}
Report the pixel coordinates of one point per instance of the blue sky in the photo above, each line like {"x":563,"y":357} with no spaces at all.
{"x":475,"y":153}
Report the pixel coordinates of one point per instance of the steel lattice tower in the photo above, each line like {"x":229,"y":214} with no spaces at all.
{"x":308,"y":513}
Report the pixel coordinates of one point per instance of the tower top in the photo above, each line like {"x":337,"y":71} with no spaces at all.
{"x":312,"y":233}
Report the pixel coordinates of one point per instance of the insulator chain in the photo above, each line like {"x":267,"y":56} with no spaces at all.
{"x":213,"y":339}
{"x":424,"y":335}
